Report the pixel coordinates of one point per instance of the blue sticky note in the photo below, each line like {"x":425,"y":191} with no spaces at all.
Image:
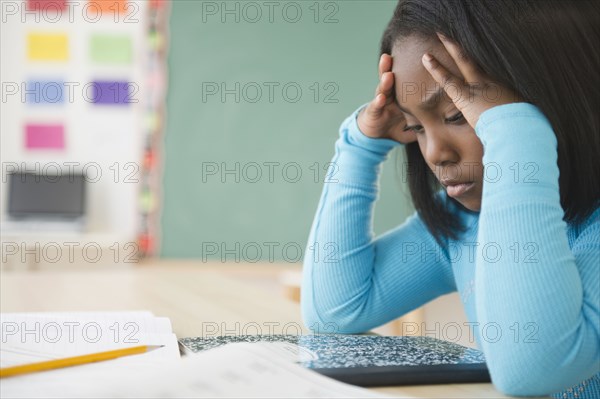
{"x":44,"y":92}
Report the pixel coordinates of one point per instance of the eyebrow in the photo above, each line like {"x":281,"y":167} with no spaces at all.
{"x":429,"y":102}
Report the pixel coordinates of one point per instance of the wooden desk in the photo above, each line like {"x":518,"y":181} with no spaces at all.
{"x":199,"y":298}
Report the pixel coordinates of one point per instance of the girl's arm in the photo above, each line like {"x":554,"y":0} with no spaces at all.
{"x":544,"y":295}
{"x":352,"y":282}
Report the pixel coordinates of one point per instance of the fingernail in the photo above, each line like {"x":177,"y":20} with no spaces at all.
{"x":442,"y":36}
{"x":427,"y":57}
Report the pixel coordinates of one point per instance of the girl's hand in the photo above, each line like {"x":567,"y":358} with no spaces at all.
{"x":382,"y":118}
{"x":477,"y":92}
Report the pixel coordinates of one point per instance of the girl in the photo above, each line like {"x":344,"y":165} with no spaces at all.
{"x":490,"y":100}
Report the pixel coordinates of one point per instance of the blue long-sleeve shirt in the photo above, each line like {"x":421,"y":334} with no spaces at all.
{"x":529,"y":282}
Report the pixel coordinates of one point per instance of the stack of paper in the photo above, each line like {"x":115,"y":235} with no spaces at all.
{"x":35,"y":337}
{"x":233,"y":371}
{"x":241,"y":370}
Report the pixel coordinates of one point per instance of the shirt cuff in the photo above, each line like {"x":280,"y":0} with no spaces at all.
{"x":509,"y":119}
{"x":520,"y":153}
{"x":358,"y":157}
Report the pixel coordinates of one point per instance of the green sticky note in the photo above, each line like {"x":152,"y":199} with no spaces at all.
{"x":147,"y":201}
{"x":156,"y":40}
{"x":111,"y":49}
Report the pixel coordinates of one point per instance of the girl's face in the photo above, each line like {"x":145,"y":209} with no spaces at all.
{"x":448,"y":143}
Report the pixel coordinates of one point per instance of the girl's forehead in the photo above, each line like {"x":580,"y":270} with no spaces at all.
{"x":408,"y":53}
{"x":412,"y":80}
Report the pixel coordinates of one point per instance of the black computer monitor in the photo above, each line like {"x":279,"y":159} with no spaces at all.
{"x":33,"y":195}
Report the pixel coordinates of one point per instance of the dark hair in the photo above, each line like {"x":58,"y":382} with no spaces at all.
{"x":547,"y":52}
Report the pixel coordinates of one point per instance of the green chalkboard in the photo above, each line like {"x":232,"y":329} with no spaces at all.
{"x":257,"y":92}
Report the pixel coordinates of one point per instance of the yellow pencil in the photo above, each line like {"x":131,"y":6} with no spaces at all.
{"x":75,"y":360}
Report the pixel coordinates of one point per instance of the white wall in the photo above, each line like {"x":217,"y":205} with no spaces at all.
{"x":110,"y":137}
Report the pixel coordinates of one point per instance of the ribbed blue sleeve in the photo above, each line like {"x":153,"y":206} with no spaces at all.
{"x":544,"y":295}
{"x":353,"y":282}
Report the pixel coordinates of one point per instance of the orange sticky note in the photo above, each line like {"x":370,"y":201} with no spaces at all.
{"x":109,"y":8}
{"x":47,"y":47}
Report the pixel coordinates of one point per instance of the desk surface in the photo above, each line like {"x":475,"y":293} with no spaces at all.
{"x":199,"y":298}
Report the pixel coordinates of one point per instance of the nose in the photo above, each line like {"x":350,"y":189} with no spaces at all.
{"x":439,"y":150}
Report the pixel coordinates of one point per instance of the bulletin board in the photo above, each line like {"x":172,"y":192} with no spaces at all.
{"x":74,"y":76}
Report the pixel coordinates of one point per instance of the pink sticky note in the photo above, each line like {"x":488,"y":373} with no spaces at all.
{"x":41,"y":137}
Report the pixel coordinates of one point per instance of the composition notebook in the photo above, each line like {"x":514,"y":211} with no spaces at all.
{"x":367,"y":360}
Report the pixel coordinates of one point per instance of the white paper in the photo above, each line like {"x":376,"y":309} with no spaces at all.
{"x":240,"y":370}
{"x":31,"y":343}
{"x":248,"y":370}
{"x":33,"y":337}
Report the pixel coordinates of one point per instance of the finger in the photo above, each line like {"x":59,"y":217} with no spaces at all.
{"x":375,"y":107}
{"x":470,"y":71}
{"x":386,"y":82}
{"x":385,"y":64}
{"x":383,"y":94}
{"x":379,"y":102}
{"x":454,"y":87}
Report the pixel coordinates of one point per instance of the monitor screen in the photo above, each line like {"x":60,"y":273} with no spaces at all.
{"x":32,"y":195}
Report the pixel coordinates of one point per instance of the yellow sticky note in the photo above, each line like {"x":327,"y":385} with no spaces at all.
{"x":47,"y":47}
{"x":152,"y":122}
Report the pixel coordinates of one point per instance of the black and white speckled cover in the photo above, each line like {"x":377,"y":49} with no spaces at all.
{"x":368,"y":360}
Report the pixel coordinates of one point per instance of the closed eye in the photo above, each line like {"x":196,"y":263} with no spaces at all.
{"x":414,"y":128}
{"x":419,"y":129}
{"x":455,"y":118}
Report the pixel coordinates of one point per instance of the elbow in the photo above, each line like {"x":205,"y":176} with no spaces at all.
{"x":329,"y":323}
{"x":312,"y":321}
{"x":328,"y":311}
{"x":528,"y":383}
{"x":324,"y":319}
{"x":515,"y":374}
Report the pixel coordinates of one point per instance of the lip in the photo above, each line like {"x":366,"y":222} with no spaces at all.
{"x":458,"y":189}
